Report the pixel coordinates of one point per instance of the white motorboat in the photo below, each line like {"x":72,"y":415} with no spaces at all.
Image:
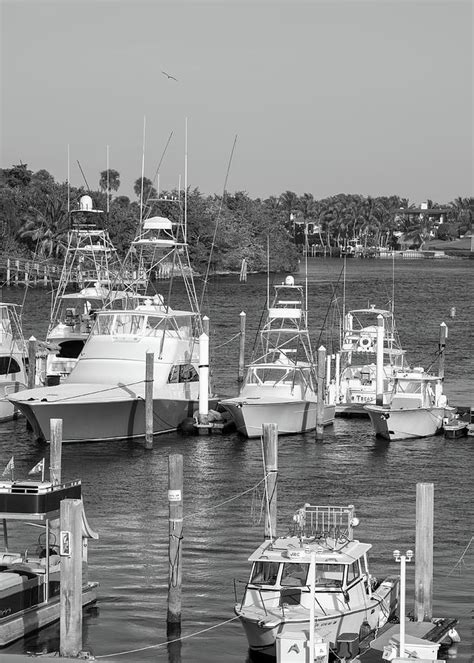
{"x":91,"y":264}
{"x":416,"y":407}
{"x":30,"y":579}
{"x":318,"y":562}
{"x":356,"y":382}
{"x":13,"y":377}
{"x":104,"y":396}
{"x":280,"y":386}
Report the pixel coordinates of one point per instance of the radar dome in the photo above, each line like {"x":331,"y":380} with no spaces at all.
{"x":85,"y":203}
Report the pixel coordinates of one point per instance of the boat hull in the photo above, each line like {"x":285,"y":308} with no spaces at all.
{"x":291,"y":417}
{"x":407,"y":423}
{"x":86,"y":420}
{"x":8,"y":411}
{"x":27,"y":621}
{"x":262,"y":628}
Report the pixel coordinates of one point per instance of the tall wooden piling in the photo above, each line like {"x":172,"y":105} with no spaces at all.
{"x":240,"y":375}
{"x":320,"y":393}
{"x":71,"y":578}
{"x":270,"y":460}
{"x":175,"y":501}
{"x":443,"y":335}
{"x":31,"y":362}
{"x":8,"y":271}
{"x":150,"y":358}
{"x":55,"y":449}
{"x":424,"y":552}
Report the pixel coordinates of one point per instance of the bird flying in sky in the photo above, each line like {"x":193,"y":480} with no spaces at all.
{"x":169,"y":75}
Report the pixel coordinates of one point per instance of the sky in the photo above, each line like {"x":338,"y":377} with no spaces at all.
{"x":345,"y":96}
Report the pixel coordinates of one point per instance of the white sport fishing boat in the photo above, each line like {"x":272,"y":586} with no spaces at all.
{"x":90,"y":264}
{"x":104,"y":396}
{"x":416,"y":408}
{"x":13,"y":377}
{"x":30,"y":567}
{"x":356,"y":384}
{"x":280,"y":386}
{"x":347,"y":598}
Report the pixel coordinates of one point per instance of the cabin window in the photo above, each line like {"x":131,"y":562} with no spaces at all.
{"x":8,"y":365}
{"x":353,"y":571}
{"x":294,"y":574}
{"x":128,"y":324}
{"x":183,"y":373}
{"x":329,"y":575}
{"x":103,"y":325}
{"x":264,"y":573}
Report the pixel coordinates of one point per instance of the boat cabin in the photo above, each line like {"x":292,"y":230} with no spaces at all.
{"x":416,"y":389}
{"x":280,"y":377}
{"x":282,"y":569}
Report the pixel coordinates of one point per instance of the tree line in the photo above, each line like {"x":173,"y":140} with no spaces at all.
{"x":34,"y":220}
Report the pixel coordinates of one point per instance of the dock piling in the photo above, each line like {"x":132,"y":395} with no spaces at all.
{"x":204,"y":379}
{"x":56,"y":440}
{"x":320,"y":395}
{"x":270,"y":462}
{"x":31,"y":362}
{"x":424,"y":552}
{"x":240,"y":374}
{"x":175,"y":501}
{"x":71,"y":578}
{"x":150,"y":358}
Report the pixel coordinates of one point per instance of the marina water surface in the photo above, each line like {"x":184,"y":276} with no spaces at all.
{"x":125,"y":486}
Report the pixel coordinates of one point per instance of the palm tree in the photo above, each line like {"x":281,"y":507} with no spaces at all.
{"x":110,"y":183}
{"x":47,"y":229}
{"x":289,"y":202}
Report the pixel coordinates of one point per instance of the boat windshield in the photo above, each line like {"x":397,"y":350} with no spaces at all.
{"x":264,"y":573}
{"x":329,"y":575}
{"x":142,"y":324}
{"x":274,"y":375}
{"x":294,"y":574}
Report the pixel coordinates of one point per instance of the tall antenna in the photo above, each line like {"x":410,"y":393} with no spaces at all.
{"x":268,"y":271}
{"x":143,"y":169}
{"x":82,"y":172}
{"x":306,"y":248}
{"x":393,"y":282}
{"x":185,"y":180}
{"x":108,"y":184}
{"x":68,"y":182}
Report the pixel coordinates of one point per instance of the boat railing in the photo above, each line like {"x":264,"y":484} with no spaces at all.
{"x":333,"y":522}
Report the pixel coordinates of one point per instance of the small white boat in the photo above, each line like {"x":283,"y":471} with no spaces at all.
{"x":13,"y":377}
{"x":30,"y":580}
{"x":348,"y":599}
{"x":416,"y":408}
{"x":280,"y":386}
{"x":356,"y":383}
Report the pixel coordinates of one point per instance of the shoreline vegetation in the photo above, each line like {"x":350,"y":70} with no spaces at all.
{"x":34,"y":222}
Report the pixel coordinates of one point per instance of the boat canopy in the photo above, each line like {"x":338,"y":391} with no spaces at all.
{"x":157,"y":223}
{"x":143,"y":323}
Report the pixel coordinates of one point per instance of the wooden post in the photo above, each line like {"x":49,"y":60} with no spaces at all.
{"x":17,"y":272}
{"x":443,"y":335}
{"x":8,"y":271}
{"x":379,"y":361}
{"x":204,"y":379}
{"x":45,"y":277}
{"x":27,"y":276}
{"x":56,"y":440}
{"x":424,"y":552}
{"x":31,"y":362}
{"x":270,"y":460}
{"x":175,"y":500}
{"x":70,"y":643}
{"x":320,"y":394}
{"x":240,"y":375}
{"x":150,"y":358}
{"x":337,"y":377}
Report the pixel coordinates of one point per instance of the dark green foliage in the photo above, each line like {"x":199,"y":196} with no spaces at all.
{"x":221,"y":232}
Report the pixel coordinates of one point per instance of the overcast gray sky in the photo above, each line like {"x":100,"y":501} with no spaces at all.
{"x":370,"y":97}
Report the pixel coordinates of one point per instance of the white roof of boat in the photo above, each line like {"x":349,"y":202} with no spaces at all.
{"x":289,"y":549}
{"x":379,"y":311}
{"x":158,"y":310}
{"x":157,"y":223}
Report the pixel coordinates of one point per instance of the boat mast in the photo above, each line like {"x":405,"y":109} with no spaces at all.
{"x":185,"y":180}
{"x":143,"y":170}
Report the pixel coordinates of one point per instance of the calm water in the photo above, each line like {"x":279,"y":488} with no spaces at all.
{"x":125,"y":487}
